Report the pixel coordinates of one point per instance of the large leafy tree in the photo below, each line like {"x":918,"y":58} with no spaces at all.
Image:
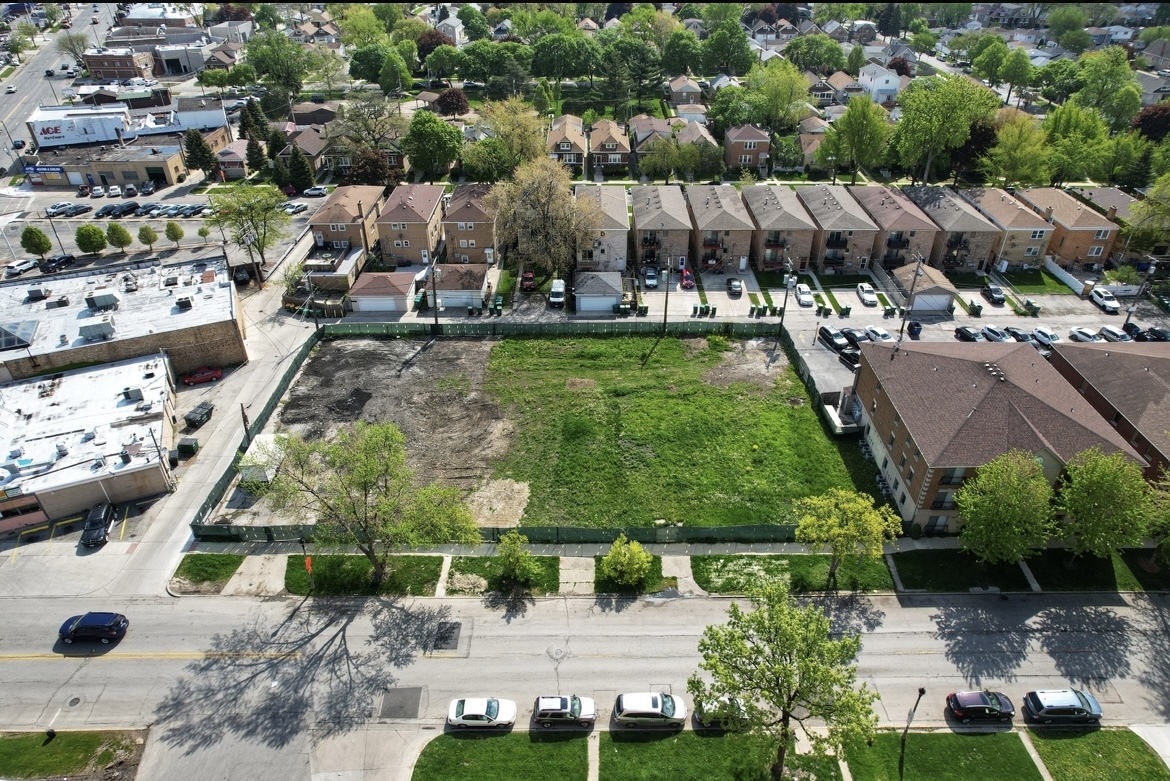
{"x":72,"y":44}
{"x":561,"y":55}
{"x":90,"y":239}
{"x":987,"y":65}
{"x":360,"y":492}
{"x":937,"y":116}
{"x":682,"y":53}
{"x":366,"y":62}
{"x":817,"y":53}
{"x":969,"y":156}
{"x":148,"y":236}
{"x":861,"y":134}
{"x":279,"y":60}
{"x":782,"y":90}
{"x":1006,"y":509}
{"x":250,"y":216}
{"x":1058,"y":80}
{"x":1110,"y":86}
{"x":369,"y":120}
{"x":855,"y":61}
{"x":430,"y":143}
{"x":1121,"y":159}
{"x":1106,"y":503}
{"x":734,"y":106}
{"x":1153,"y":122}
{"x":431,"y":40}
{"x":360,"y":27}
{"x":452,"y":101}
{"x":1065,"y":18}
{"x":395,"y":77}
{"x":369,"y":166}
{"x":1016,"y":71}
{"x":726,"y":49}
{"x":34,"y":241}
{"x":444,"y":61}
{"x":847,"y":525}
{"x":518,"y":130}
{"x":650,"y":25}
{"x":118,"y":236}
{"x":1020,"y":153}
{"x":1076,"y":135}
{"x":781,"y":661}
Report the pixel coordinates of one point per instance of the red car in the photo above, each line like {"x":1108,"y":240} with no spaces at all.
{"x":205,"y":374}
{"x":528,"y":281}
{"x":688,"y":279}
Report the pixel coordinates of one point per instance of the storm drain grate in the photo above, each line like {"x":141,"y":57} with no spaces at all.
{"x":447,"y":636}
{"x":401,"y":703}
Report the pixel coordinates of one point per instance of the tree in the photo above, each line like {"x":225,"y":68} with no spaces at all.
{"x":987,"y":65}
{"x":328,"y":69}
{"x":72,"y":44}
{"x":1075,"y":41}
{"x":861,"y":134}
{"x":780,"y":661}
{"x":781,"y":90}
{"x":409,"y":30}
{"x":389,"y":14}
{"x":18,"y":42}
{"x":52,"y":13}
{"x":444,"y":61}
{"x":734,"y":106}
{"x":35,"y":242}
{"x":1065,"y":18}
{"x":1120,"y":155}
{"x":174,"y":232}
{"x":204,"y":232}
{"x":715,"y":14}
{"x":817,"y":53}
{"x":369,"y":166}
{"x":1110,"y":86}
{"x":899,"y":65}
{"x":430,"y":143}
{"x":280,"y":173}
{"x":248,"y":124}
{"x":1106,"y":503}
{"x":1152,"y":213}
{"x":484,"y":161}
{"x":952,"y":14}
{"x":1016,"y":71}
{"x":969,"y":156}
{"x":682,"y":53}
{"x":395,"y":77}
{"x":359,"y":27}
{"x":626,"y":563}
{"x":452,"y":101}
{"x":1153,"y":122}
{"x":300,"y":170}
{"x":477,"y":28}
{"x":90,"y":239}
{"x":726,"y":49}
{"x":431,"y":40}
{"x":1058,"y":80}
{"x":250,"y":216}
{"x":536,"y":212}
{"x":360,"y":491}
{"x":531,"y":27}
{"x":279,"y":59}
{"x":889,"y":21}
{"x":408,"y":51}
{"x":366,"y":62}
{"x":847,"y":525}
{"x":856,"y":60}
{"x":254,"y":155}
{"x":275,"y":143}
{"x":1006,"y":509}
{"x":1020,"y":152}
{"x":118,"y":236}
{"x":516,"y":565}
{"x":937,"y":116}
{"x":369,"y":120}
{"x":642,"y":64}
{"x":267,"y":18}
{"x":659,"y":159}
{"x":1076,"y":135}
{"x":924,"y":41}
{"x":215,"y":79}
{"x":147,"y":236}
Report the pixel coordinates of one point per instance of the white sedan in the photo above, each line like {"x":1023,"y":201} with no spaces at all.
{"x":1045,"y":335}
{"x":481,"y":712}
{"x":58,"y":208}
{"x":804,"y":295}
{"x":1085,"y":335}
{"x":867,"y":294}
{"x":878,"y":334}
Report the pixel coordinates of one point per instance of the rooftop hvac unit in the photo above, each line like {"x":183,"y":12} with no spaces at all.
{"x":57,"y":303}
{"x":93,"y":328}
{"x":101,"y":299}
{"x":133,"y":393}
{"x":62,"y":450}
{"x":184,"y":302}
{"x":38,"y":293}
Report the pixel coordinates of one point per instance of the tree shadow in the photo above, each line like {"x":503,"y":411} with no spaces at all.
{"x":513,"y":602}
{"x":613,"y":603}
{"x":266,"y":683}
{"x":983,"y":641}
{"x":849,"y":614}
{"x":1155,"y":649}
{"x":1088,"y":643}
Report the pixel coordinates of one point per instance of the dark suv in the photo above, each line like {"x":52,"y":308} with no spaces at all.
{"x":94,"y":626}
{"x":97,"y":525}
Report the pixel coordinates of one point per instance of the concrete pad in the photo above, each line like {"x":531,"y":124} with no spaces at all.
{"x":258,"y":576}
{"x":1157,"y":736}
{"x":680,"y":567}
{"x":576,"y":575}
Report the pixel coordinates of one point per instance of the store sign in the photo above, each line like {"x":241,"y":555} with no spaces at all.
{"x":44,"y":169}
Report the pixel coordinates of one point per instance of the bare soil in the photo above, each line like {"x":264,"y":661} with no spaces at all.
{"x":122,"y":767}
{"x":184,"y":587}
{"x":754,"y":361}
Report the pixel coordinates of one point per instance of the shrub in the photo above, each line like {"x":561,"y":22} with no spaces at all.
{"x":626,"y":563}
{"x":915,"y":531}
{"x":516,"y":564}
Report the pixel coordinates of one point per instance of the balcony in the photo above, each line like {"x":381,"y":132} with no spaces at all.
{"x":711,"y":241}
{"x":837,"y":243}
{"x":958,"y":243}
{"x":943,"y":505}
{"x":892,"y":262}
{"x":648,"y":241}
{"x":895,"y":242}
{"x":951,"y":480}
{"x":775,"y":241}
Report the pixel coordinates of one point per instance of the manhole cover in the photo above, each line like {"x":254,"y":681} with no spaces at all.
{"x":447,"y":636}
{"x":556,"y":653}
{"x":401,"y":703}
{"x":73,"y":703}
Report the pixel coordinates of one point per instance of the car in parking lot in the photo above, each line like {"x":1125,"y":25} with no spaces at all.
{"x":804,"y":295}
{"x":98,"y":191}
{"x":832,"y":338}
{"x":651,"y":276}
{"x":106,"y":211}
{"x":851,"y":357}
{"x":114,"y":191}
{"x":1156,"y":334}
{"x":295,"y":207}
{"x":130,"y":191}
{"x":56,"y":263}
{"x":1020,"y":335}
{"x":174,"y":211}
{"x":980,"y":706}
{"x":1084,"y":335}
{"x":734,"y":286}
{"x":878,"y":334}
{"x":316,"y":192}
{"x":967,"y":333}
{"x":58,"y":208}
{"x":855,"y":336}
{"x":649,"y":709}
{"x":78,"y":208}
{"x":481,"y":712}
{"x":203,"y":374}
{"x":571,"y":710}
{"x":145,"y":209}
{"x":1045,"y":335}
{"x":105,"y":627}
{"x":993,"y":293}
{"x":688,"y":279}
{"x":147,"y":187}
{"x":126,"y":207}
{"x":867,"y":294}
{"x":528,"y":281}
{"x":1048,"y":706}
{"x":192,"y":210}
{"x":993,"y":333}
{"x":1112,"y":333}
{"x":16,"y":268}
{"x":98,"y":523}
{"x":1104,"y":299}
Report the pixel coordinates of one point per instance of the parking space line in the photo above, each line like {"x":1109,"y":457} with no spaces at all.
{"x":125,"y":513}
{"x":21,"y":534}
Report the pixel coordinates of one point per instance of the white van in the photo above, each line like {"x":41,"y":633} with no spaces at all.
{"x":556,"y":293}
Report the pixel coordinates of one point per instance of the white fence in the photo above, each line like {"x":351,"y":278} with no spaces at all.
{"x":1074,"y":284}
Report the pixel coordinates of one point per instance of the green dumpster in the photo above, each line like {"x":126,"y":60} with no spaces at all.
{"x":820,"y":310}
{"x":703,"y":310}
{"x":617,"y":308}
{"x":712,"y":311}
{"x":695,"y":310}
{"x":976,"y":309}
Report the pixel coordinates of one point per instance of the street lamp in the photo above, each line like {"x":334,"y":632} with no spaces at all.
{"x":787,"y":287}
{"x":54,"y":227}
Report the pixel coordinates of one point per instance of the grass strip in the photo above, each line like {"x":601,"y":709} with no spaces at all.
{"x":702,"y":290}
{"x":883,"y":301}
{"x":209,"y":567}
{"x":546,"y":581}
{"x":1036,"y":281}
{"x":652,"y":583}
{"x":754,"y":299}
{"x":341,"y":575}
{"x":33,"y":755}
{"x":833,"y":300}
{"x":646,"y":755}
{"x":942,"y":757}
{"x":1080,"y":754}
{"x":503,"y":757}
{"x":1056,"y":569}
{"x":956,"y":570}
{"x":733,"y":574}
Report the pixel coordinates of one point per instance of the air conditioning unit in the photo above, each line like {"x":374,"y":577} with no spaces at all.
{"x":184,"y":302}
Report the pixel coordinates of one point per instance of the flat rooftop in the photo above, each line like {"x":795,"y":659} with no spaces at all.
{"x":64,"y":425}
{"x":51,"y":319}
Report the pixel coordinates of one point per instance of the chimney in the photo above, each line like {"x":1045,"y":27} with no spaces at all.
{"x":1048,"y":214}
{"x":1111,"y":212}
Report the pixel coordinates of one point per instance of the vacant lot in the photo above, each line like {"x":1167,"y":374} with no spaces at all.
{"x":83,"y":756}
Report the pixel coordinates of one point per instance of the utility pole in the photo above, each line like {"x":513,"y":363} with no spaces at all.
{"x":910,"y":298}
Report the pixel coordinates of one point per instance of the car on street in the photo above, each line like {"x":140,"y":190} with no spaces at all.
{"x":481,"y":712}
{"x":316,"y":192}
{"x":1157,"y":334}
{"x":10,"y":89}
{"x":56,"y":263}
{"x":734,"y":286}
{"x":651,"y":275}
{"x":105,"y":627}
{"x":98,"y":191}
{"x":720,"y":713}
{"x":867,"y":294}
{"x":192,"y":210}
{"x":804,"y":295}
{"x":18,"y":143}
{"x":106,"y":211}
{"x":203,"y":374}
{"x":1021,"y":335}
{"x":1084,"y":335}
{"x":147,"y":188}
{"x":993,"y":293}
{"x":571,"y":710}
{"x":78,"y":208}
{"x":58,"y":208}
{"x":114,"y":191}
{"x":1104,"y":299}
{"x":878,"y":334}
{"x":649,"y":709}
{"x":832,"y":338}
{"x":1049,"y":706}
{"x":98,"y":523}
{"x":688,"y":279}
{"x":980,"y":706}
{"x":1112,"y":333}
{"x":49,"y":72}
{"x":855,"y":336}
{"x":528,"y":281}
{"x":1045,"y":335}
{"x":967,"y":333}
{"x":16,"y":268}
{"x":993,"y":333}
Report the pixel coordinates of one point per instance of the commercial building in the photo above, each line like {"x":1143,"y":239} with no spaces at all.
{"x":67,"y":125}
{"x":103,"y":63}
{"x":139,"y":160}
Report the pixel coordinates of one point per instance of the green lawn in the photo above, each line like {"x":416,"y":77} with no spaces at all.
{"x":944,"y":757}
{"x":955,"y":570}
{"x":653,"y":582}
{"x":504,"y":757}
{"x":733,"y":574}
{"x":1097,"y":755}
{"x":32,"y":755}
{"x":622,"y":431}
{"x":1152,"y":574}
{"x":350,"y":575}
{"x":1036,"y":282}
{"x":843,"y":281}
{"x":966,"y":281}
{"x":697,"y":756}
{"x":209,"y":567}
{"x":547,"y":581}
{"x":773,"y":278}
{"x":1057,"y":570}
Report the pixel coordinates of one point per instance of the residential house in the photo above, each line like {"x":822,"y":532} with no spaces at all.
{"x":723,"y":80}
{"x":722,"y":227}
{"x":1081,"y":234}
{"x":898,"y":48}
{"x":1024,"y":235}
{"x":1120,"y":33}
{"x":693,"y":112}
{"x":612,"y":24}
{"x":239,"y":31}
{"x":1155,"y":89}
{"x":846,"y":234}
{"x":662,"y":225}
{"x":608,"y":251}
{"x":348,"y":218}
{"x":746,"y":146}
{"x":784,"y":230}
{"x":383,"y":291}
{"x":609,"y":145}
{"x":684,"y":90}
{"x":862,"y":31}
{"x":410,"y":224}
{"x":1114,"y":203}
{"x":643,"y":129}
{"x":305,"y":114}
{"x":103,"y":63}
{"x":966,"y":239}
{"x":1126,"y":384}
{"x":695,"y":133}
{"x":809,"y":144}
{"x":881,"y":83}
{"x":312,"y":141}
{"x":470,"y":226}
{"x":904,"y":230}
{"x":845,"y":87}
{"x":1098,"y":35}
{"x":809,"y":27}
{"x":1157,"y":54}
{"x":812,"y":125}
{"x":819,"y":89}
{"x":835,"y":30}
{"x":232,"y":159}
{"x":697,"y":27}
{"x":588,"y":27}
{"x":764,"y":33}
{"x":502,"y":30}
{"x":785,"y":30}
{"x":226,"y":56}
{"x":459,"y":285}
{"x":566,"y":140}
{"x":428,"y":99}
{"x":452,"y":27}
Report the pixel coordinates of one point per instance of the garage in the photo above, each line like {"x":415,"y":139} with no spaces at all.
{"x":933,"y":292}
{"x":597,"y":291}
{"x":382,"y":292}
{"x":457,"y":285}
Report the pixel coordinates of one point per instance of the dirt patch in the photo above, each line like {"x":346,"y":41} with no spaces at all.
{"x":120,"y":757}
{"x":499,"y":503}
{"x":579,"y":384}
{"x":694,"y":344}
{"x":180,"y":585}
{"x":757,"y":362}
{"x":466,"y":584}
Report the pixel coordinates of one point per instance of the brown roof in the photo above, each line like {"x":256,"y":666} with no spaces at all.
{"x":1066,"y":210}
{"x":682,"y":82}
{"x":965,"y":404}
{"x":412,"y":203}
{"x":611,"y":201}
{"x":311,"y":141}
{"x":841,"y":80}
{"x":1004,"y":210}
{"x":949,"y":211}
{"x":460,"y":276}
{"x":1106,"y":197}
{"x":569,"y":128}
{"x":382,"y":284}
{"x":467,"y":204}
{"x":342,"y":204}
{"x":659,"y":207}
{"x":428,"y":97}
{"x":776,"y":208}
{"x":891,"y":209}
{"x":834,"y":208}
{"x":718,"y":207}
{"x":930,"y":278}
{"x":695,"y":133}
{"x":606,"y":131}
{"x":746,"y":133}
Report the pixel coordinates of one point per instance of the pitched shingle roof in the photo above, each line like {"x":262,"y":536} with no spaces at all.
{"x":342,"y":204}
{"x":606,"y":131}
{"x":382,"y":284}
{"x":411,"y":203}
{"x":746,"y":133}
{"x":460,"y":276}
{"x":776,"y":208}
{"x":467,"y":204}
{"x":1106,"y":197}
{"x":892,"y":210}
{"x":597,"y":283}
{"x":948,"y":211}
{"x":570,"y":128}
{"x":1004,"y":210}
{"x":695,"y":133}
{"x":834,"y":208}
{"x":611,"y":201}
{"x":718,"y":207}
{"x":659,"y":207}
{"x":1066,"y":210}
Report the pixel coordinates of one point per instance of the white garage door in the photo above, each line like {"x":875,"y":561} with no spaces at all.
{"x":596,"y":303}
{"x":453,"y":299}
{"x":930,"y":303}
{"x":379,"y":304}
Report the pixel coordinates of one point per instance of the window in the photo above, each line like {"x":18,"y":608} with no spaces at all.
{"x":1037,"y":235}
{"x":461,"y":225}
{"x":1032,"y":252}
{"x":1095,"y":252}
{"x":749,"y":144}
{"x":873,"y":407}
{"x":397,"y":243}
{"x":902,"y":462}
{"x":615,"y":159}
{"x":745,"y":159}
{"x":406,"y":242}
{"x":609,"y":145}
{"x":891,"y":442}
{"x":1102,"y":234}
{"x":910,"y":476}
{"x":1116,"y":418}
{"x":337,"y":227}
{"x":471,"y":242}
{"x":463,"y":243}
{"x":885,"y":462}
{"x":897,"y":419}
{"x":901,"y":498}
{"x":565,"y":146}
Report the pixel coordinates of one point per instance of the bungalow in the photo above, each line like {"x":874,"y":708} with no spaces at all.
{"x":566,"y":140}
{"x":863,"y":31}
{"x":695,"y":133}
{"x":684,"y":89}
{"x":837,"y":31}
{"x":1155,"y":89}
{"x":1157,"y":54}
{"x":312,"y":141}
{"x":845,"y":87}
{"x":232,"y":158}
{"x":502,"y":30}
{"x":305,"y":114}
{"x":819,"y":89}
{"x":587,"y":26}
{"x":809,"y":144}
{"x":809,"y":27}
{"x":609,"y":144}
{"x":644,"y":128}
{"x":895,"y":49}
{"x":746,"y":146}
{"x":458,"y":285}
{"x":723,"y":80}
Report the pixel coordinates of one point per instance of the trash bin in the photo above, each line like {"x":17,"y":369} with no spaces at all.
{"x":617,"y":308}
{"x":200,"y":415}
{"x":470,"y":311}
{"x":695,"y":310}
{"x":703,"y":310}
{"x":418,"y":300}
{"x":820,"y":310}
{"x":845,"y":310}
{"x":751,"y":311}
{"x":976,"y":309}
{"x":188,"y":446}
{"x":712,"y":311}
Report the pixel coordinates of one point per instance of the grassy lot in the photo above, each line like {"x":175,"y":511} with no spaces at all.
{"x":770,"y":278}
{"x":623,"y":431}
{"x":1152,"y":574}
{"x":964,"y":281}
{"x":696,"y":756}
{"x":733,"y":574}
{"x":1057,"y":570}
{"x":209,"y":567}
{"x":548,"y":578}
{"x":31,"y":755}
{"x":504,"y":757}
{"x":1097,"y":755}
{"x":943,"y":757}
{"x":350,"y":575}
{"x":955,"y":570}
{"x":1036,"y":282}
{"x":650,"y":584}
{"x":844,"y":281}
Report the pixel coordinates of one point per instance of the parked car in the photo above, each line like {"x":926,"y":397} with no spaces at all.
{"x":993,"y":333}
{"x":867,"y":294}
{"x":204,"y":374}
{"x":158,"y":210}
{"x":174,"y":211}
{"x":98,"y":523}
{"x":106,"y":627}
{"x":967,"y":333}
{"x":18,"y":143}
{"x":734,"y":286}
{"x":878,"y":334}
{"x":114,"y":191}
{"x":1048,"y":706}
{"x":649,"y":709}
{"x":55,"y":263}
{"x":556,"y":293}
{"x":1136,"y":332}
{"x":1104,"y":299}
{"x":1156,"y":334}
{"x":316,"y":192}
{"x":16,"y":268}
{"x":832,"y":338}
{"x":1020,"y":335}
{"x":855,"y":336}
{"x":481,"y":712}
{"x":980,"y":706}
{"x":145,"y":209}
{"x":126,"y":207}
{"x":688,"y":279}
{"x":192,"y":210}
{"x":651,"y":275}
{"x":131,"y":191}
{"x":720,"y":713}
{"x":804,"y":295}
{"x":528,"y":281}
{"x":58,"y":208}
{"x":1084,"y":335}
{"x":296,"y":207}
{"x":242,"y":276}
{"x":994,"y":294}
{"x":10,"y":89}
{"x":50,"y":72}
{"x":98,"y":191}
{"x":1045,"y":335}
{"x":147,"y":188}
{"x":78,"y":208}
{"x":106,"y":211}
{"x":571,"y":710}
{"x":1112,"y":333}
{"x":851,"y":357}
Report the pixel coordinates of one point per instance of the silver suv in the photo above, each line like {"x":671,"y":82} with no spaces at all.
{"x":1050,"y":706}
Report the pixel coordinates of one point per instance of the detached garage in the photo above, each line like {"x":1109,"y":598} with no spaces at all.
{"x":460,"y":284}
{"x":933,"y":292}
{"x":597,"y":291}
{"x":383,"y":292}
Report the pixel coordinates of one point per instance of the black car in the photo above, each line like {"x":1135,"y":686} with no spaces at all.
{"x":129,"y":207}
{"x":147,"y":188}
{"x":106,"y":211}
{"x":97,"y":525}
{"x":1155,"y":334}
{"x":1021,"y":335}
{"x":55,"y":263}
{"x":851,"y":357}
{"x":145,"y":209}
{"x":191,"y":211}
{"x":832,"y":338}
{"x":966,"y":333}
{"x":993,"y":293}
{"x":1135,"y":331}
{"x":18,"y":143}
{"x":106,"y":627}
{"x":855,"y":336}
{"x":78,"y":208}
{"x":980,"y":706}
